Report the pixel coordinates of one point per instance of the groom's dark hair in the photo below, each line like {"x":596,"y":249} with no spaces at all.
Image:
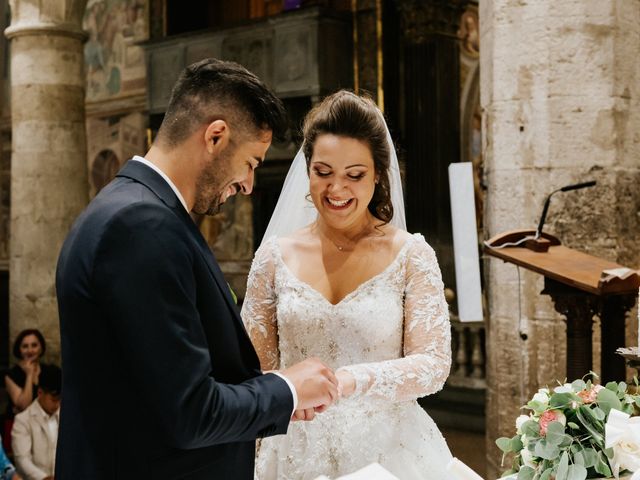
{"x":214,"y":89}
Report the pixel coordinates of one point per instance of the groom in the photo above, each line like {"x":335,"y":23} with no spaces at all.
{"x":160,"y":378}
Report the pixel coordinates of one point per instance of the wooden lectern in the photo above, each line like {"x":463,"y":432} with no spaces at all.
{"x":580,"y":286}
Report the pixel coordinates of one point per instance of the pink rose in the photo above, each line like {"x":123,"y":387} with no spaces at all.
{"x":551,"y":416}
{"x":591,"y":395}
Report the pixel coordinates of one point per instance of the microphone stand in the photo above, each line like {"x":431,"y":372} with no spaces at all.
{"x":545,"y":209}
{"x":535,"y":240}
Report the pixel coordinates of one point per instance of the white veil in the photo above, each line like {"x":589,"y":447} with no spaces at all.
{"x":294,"y":211}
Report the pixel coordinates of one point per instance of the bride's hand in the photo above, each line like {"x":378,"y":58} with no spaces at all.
{"x":307,"y":414}
{"x":346,"y":383}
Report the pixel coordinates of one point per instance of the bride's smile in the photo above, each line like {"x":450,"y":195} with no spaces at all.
{"x":338,"y":204}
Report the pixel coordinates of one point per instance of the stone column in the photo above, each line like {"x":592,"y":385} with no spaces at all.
{"x":48,"y":166}
{"x":560,"y":91}
{"x":432,"y":118}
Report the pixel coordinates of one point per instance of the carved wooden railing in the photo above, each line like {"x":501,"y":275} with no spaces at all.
{"x":468,"y":369}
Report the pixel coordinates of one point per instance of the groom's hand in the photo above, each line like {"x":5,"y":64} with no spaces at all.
{"x":315,"y":384}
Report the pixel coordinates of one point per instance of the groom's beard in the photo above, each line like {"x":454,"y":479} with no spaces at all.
{"x":210,"y":185}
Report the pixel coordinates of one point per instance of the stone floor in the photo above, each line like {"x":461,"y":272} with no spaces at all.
{"x":469,"y":447}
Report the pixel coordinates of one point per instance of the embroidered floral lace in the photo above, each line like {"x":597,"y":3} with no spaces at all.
{"x":392,"y":333}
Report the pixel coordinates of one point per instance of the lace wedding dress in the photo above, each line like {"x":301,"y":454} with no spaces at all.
{"x":392,"y":333}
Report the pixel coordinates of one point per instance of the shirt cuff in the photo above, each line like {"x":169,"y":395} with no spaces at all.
{"x":294,"y":394}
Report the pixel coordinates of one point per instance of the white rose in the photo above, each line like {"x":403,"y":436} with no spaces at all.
{"x":527,"y":458}
{"x":626,"y":454}
{"x":566,"y":388}
{"x":519,"y":422}
{"x":543,"y":390}
{"x":622,"y":433}
{"x":541,"y":397}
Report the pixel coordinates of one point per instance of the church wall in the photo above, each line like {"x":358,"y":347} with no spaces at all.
{"x":560,"y":100}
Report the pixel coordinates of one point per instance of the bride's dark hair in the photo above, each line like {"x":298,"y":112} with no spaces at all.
{"x":349,"y":115}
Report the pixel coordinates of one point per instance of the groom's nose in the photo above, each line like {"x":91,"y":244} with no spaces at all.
{"x":246,"y":186}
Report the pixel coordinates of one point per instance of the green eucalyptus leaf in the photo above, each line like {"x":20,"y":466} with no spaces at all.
{"x":531,"y":428}
{"x":536,"y":406}
{"x":576,"y":472}
{"x":590,"y":457}
{"x":516,"y":444}
{"x":573,"y":426}
{"x":578,"y":385}
{"x":555,"y":433}
{"x":598,"y":413}
{"x":613,"y":386}
{"x":622,"y":388}
{"x":593,"y":429}
{"x":526,"y":473}
{"x":562,"y":399}
{"x":546,"y":475}
{"x":546,"y":450}
{"x":608,"y":400}
{"x":567,"y":440}
{"x":504,"y":444}
{"x":602,"y":465}
{"x":563,"y":467}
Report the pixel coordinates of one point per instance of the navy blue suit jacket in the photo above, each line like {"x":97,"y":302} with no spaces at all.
{"x":160,"y":379}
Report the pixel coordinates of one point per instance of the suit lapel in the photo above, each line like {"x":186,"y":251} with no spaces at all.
{"x":210,"y":260}
{"x":36,"y":414}
{"x":143,"y":174}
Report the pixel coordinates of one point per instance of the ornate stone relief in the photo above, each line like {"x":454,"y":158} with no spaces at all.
{"x":471,"y":113}
{"x":115,"y":64}
{"x":251,"y":51}
{"x":422,"y":19}
{"x":469,"y":32}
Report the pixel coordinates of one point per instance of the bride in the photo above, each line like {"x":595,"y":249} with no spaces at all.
{"x":354,"y":289}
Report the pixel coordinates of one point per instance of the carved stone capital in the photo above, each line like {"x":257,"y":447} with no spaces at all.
{"x":422,"y":19}
{"x":47,"y":17}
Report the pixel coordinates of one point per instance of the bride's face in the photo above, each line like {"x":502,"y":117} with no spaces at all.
{"x":342,"y":179}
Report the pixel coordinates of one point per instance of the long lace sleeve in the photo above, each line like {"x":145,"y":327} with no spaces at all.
{"x":426,"y":341}
{"x":259,"y":308}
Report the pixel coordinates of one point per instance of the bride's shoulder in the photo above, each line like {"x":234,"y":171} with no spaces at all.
{"x":413,"y":243}
{"x":396,"y":237}
{"x":297,"y":242}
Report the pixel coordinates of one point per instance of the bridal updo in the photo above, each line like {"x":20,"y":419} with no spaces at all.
{"x":349,"y":115}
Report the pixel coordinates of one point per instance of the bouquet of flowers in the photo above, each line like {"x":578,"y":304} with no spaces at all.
{"x":577,"y":431}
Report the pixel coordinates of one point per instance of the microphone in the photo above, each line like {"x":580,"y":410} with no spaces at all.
{"x":578,"y":186}
{"x":545,"y":209}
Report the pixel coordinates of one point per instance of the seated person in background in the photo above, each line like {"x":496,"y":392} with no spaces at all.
{"x":35,"y":431}
{"x":7,"y":471}
{"x":21,"y":380}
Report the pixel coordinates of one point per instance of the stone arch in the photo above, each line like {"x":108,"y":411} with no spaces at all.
{"x":104,"y":167}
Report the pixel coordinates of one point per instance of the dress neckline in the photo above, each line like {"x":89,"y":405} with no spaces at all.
{"x":353,"y":292}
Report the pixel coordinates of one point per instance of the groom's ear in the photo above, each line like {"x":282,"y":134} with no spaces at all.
{"x":216,"y":136}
